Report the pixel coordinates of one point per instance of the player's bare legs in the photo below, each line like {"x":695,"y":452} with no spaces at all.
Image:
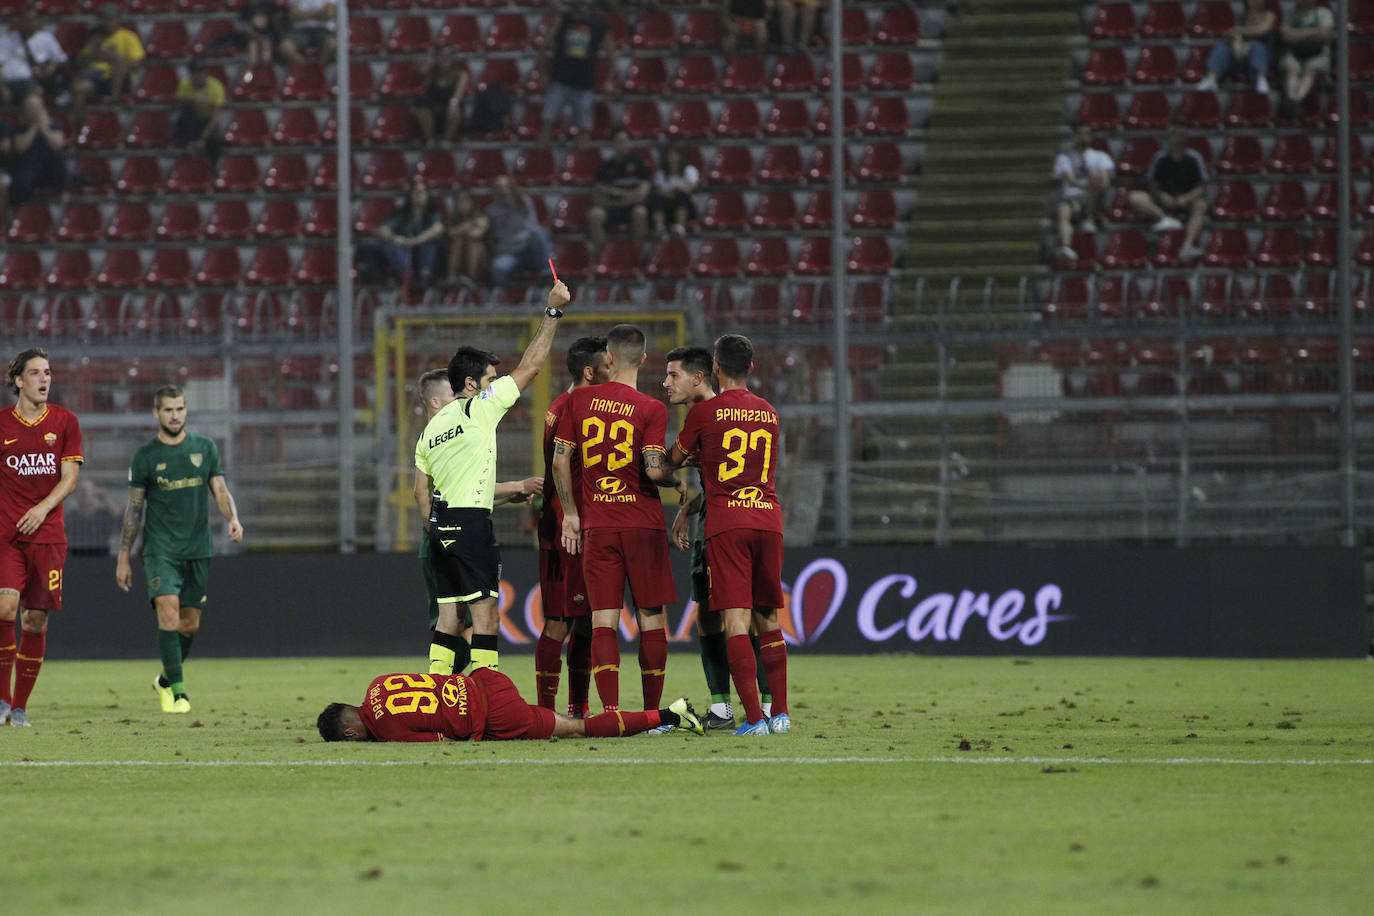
{"x":617,"y":724}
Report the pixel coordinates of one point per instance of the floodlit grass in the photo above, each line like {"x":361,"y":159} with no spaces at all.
{"x":907,"y":785}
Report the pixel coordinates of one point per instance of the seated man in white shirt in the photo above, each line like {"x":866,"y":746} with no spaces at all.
{"x":29,"y":57}
{"x":1086,"y":174}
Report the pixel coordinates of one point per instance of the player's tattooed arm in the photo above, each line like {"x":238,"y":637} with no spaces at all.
{"x":133,"y":524}
{"x":661,"y":474}
{"x":571,"y":535}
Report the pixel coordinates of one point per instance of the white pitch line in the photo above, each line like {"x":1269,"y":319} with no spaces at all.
{"x":616,"y":761}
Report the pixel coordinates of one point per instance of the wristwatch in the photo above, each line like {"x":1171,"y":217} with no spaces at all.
{"x":553,"y":312}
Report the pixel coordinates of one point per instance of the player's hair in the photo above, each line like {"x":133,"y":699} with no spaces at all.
{"x":584,"y":352}
{"x":168,"y":392}
{"x":469,"y":363}
{"x":693,"y":359}
{"x":734,"y":354}
{"x":626,"y":343}
{"x":330,"y":722}
{"x":17,"y":364}
{"x":425,"y":385}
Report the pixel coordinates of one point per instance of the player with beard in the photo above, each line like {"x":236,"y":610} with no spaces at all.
{"x":40,"y":460}
{"x":171,"y":480}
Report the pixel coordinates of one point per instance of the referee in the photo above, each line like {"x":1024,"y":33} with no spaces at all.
{"x":457,"y":452}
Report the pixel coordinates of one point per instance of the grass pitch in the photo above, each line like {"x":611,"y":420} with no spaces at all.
{"x":908,"y":784}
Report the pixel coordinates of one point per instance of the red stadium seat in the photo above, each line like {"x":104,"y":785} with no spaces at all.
{"x":140,"y":175}
{"x":72,"y":36}
{"x":362,"y":85}
{"x":1249,"y":109}
{"x":170,"y":269}
{"x":1106,"y":66}
{"x":322,"y":221}
{"x":1149,"y":110}
{"x":1330,"y":155}
{"x":881,"y":162}
{"x":579,"y":166}
{"x":1326,"y":203}
{"x":701,"y":30}
{"x":534,"y":167}
{"x":1136,"y":156}
{"x":248,"y":127}
{"x":573,"y":258}
{"x":731,"y":165}
{"x":483,"y":166}
{"x":851,"y":71}
{"x":411,"y":35}
{"x":500,"y":71}
{"x":229,"y":221}
{"x":1279,"y":247}
{"x":776,"y":211}
{"x":818,"y":169}
{"x":1291,"y":154}
{"x":364,"y":36}
{"x":238,"y":174}
{"x":401,"y":79}
{"x":854,"y":29}
{"x":306,"y":82}
{"x":439,"y":169}
{"x":814,"y":257}
{"x":780,"y":165}
{"x":357,"y":128}
{"x":1126,"y":250}
{"x":875,"y":209}
{"x":386,"y":171}
{"x":851,"y":116}
{"x":768,"y":257}
{"x":81,"y":222}
{"x":887,"y":115}
{"x":22,"y":270}
{"x":150,"y":130}
{"x":654,"y":31}
{"x":1069,"y":297}
{"x":288,"y":172}
{"x":725,"y":212}
{"x":691,"y":120}
{"x":215,"y":39}
{"x":898,"y":25}
{"x":1113,"y":22}
{"x":789,"y":118}
{"x":131,"y":222}
{"x":646,"y":75}
{"x":1235,"y":201}
{"x":1227,"y":247}
{"x":371,"y":214}
{"x":31,"y":223}
{"x":122,"y":269}
{"x":219,"y":267}
{"x":818,"y":212}
{"x":570,"y":216}
{"x":698,"y":75}
{"x":271,"y":266}
{"x":1321,"y":251}
{"x":642,"y":120}
{"x":1172,"y":293}
{"x":158,"y":85}
{"x":1241,"y":155}
{"x":1163,"y":20}
{"x":101,"y":130}
{"x":670,"y":260}
{"x":743,"y":74}
{"x":168,"y":38}
{"x":1098,"y":109}
{"x":717,"y":258}
{"x":461,"y":32}
{"x":257,"y":83}
{"x":1156,"y":65}
{"x":1286,"y":200}
{"x":739,"y":119}
{"x":892,"y":71}
{"x":619,"y":261}
{"x":71,"y":269}
{"x":508,"y":32}
{"x":1361,"y":60}
{"x":180,"y":222}
{"x":279,"y":219}
{"x":296,"y":127}
{"x":793,"y":73}
{"x":1361,"y":113}
{"x":393,"y":125}
{"x":1212,"y":19}
{"x":320,"y":264}
{"x":1199,"y":109}
{"x":1195,"y":64}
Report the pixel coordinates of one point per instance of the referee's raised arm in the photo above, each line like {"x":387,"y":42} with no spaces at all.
{"x":538,"y":350}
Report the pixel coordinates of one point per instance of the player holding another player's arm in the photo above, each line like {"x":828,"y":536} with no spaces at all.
{"x":735,"y":437}
{"x":40,"y":460}
{"x":457,"y":453}
{"x":169,"y":479}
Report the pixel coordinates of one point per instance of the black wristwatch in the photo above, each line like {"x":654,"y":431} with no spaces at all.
{"x":553,"y":312}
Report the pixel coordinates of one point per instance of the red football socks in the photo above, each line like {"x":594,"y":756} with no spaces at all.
{"x":619,"y":724}
{"x":27,"y":662}
{"x":606,"y":666}
{"x":653,"y":665}
{"x":579,"y":671}
{"x":744,"y":672}
{"x":7,"y":647}
{"x":548,"y":667}
{"x":773,"y":651}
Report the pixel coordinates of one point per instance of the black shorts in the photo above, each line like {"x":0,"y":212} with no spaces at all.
{"x":748,"y":9}
{"x":467,"y":562}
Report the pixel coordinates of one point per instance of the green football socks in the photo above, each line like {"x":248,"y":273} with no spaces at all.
{"x":169,"y":647}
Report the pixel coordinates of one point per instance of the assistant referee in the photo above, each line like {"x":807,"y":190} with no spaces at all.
{"x":458,"y":454}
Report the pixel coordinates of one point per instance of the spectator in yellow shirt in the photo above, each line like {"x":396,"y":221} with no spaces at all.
{"x":108,"y":63}
{"x":199,"y":100}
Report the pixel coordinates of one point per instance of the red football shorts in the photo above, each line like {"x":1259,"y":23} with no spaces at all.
{"x":561,"y":584}
{"x":745,"y":566}
{"x":508,"y":715}
{"x":610,"y":557}
{"x":35,"y":572}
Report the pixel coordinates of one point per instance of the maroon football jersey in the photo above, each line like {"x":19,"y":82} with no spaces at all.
{"x":735,"y":438}
{"x":424,"y":707}
{"x":31,"y":455}
{"x":551,"y":517}
{"x":612,"y":425}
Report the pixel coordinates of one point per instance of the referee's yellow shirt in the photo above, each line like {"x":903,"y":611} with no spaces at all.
{"x":458,"y":448}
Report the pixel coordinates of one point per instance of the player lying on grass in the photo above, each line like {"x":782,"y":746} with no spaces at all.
{"x":487,"y":705}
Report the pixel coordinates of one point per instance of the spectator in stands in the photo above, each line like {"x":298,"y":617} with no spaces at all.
{"x":261,"y":25}
{"x":674,"y":182}
{"x":1085,"y":174}
{"x":621,"y":195}
{"x":411,"y":237}
{"x":32,"y":152}
{"x":796,"y":22}
{"x":515,"y":239}
{"x":1307,"y":50}
{"x":200,"y":97}
{"x":1250,"y":43}
{"x":1178,"y":186}
{"x":748,"y":18}
{"x":108,"y":64}
{"x":579,"y":37}
{"x":439,"y":109}
{"x":29,"y":57}
{"x":467,"y":231}
{"x":311,"y":27}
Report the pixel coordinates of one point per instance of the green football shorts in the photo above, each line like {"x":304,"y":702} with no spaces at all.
{"x":187,"y":579}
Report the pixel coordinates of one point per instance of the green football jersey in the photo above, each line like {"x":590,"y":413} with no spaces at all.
{"x":176,"y":479}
